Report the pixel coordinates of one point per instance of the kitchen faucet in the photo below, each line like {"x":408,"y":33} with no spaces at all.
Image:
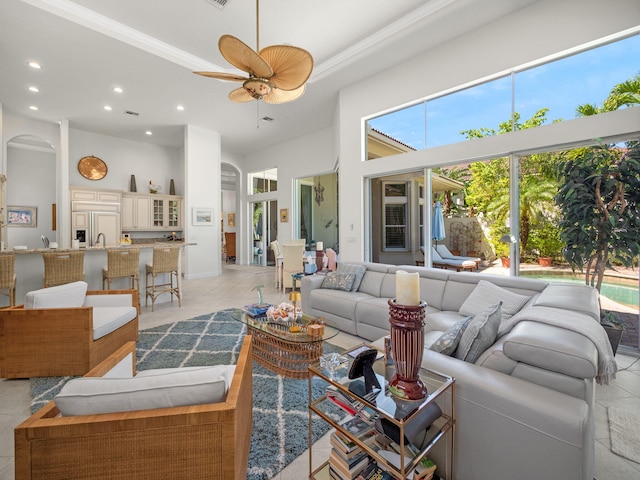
{"x":98,"y":239}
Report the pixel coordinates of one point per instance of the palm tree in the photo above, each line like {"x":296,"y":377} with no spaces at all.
{"x":625,"y":94}
{"x":536,"y":200}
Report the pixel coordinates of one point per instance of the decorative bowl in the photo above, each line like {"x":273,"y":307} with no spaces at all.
{"x":283,"y":312}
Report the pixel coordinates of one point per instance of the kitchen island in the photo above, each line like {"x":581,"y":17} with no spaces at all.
{"x":29,"y":267}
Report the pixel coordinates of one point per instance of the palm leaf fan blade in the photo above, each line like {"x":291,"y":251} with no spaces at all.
{"x":232,"y":77}
{"x":292,"y":66}
{"x":282,"y":96}
{"x":240,"y":95}
{"x":241,"y":56}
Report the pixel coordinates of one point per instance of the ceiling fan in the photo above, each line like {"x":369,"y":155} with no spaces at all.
{"x":277,"y":74}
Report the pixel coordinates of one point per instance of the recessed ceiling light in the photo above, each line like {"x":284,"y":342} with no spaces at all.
{"x":35,"y":65}
{"x":148,"y":132}
{"x":180,"y":107}
{"x":107,"y":108}
{"x":118,"y":89}
{"x":34,"y":89}
{"x":33,"y":107}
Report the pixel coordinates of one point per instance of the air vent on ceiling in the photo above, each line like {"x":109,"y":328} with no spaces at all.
{"x":218,"y":3}
{"x":267,"y":119}
{"x":130,"y":112}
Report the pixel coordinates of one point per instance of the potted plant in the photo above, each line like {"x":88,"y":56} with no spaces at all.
{"x":545,"y":241}
{"x":599,"y":197}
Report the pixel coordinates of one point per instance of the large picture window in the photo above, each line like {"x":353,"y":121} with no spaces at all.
{"x":561,"y":87}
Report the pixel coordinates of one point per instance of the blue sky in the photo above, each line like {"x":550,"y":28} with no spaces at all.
{"x":561,"y":86}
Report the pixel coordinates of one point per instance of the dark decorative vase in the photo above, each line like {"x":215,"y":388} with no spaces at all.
{"x":172,"y":188}
{"x":407,"y":344}
{"x":132,"y":184}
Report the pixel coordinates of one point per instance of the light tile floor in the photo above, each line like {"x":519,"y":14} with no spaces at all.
{"x":232,"y":289}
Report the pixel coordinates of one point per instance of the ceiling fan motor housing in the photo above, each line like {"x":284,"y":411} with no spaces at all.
{"x":257,"y":87}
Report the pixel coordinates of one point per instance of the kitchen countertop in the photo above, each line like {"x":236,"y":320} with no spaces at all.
{"x":138,"y":244}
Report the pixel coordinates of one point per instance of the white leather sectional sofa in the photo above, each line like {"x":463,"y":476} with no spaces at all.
{"x":525,"y":407}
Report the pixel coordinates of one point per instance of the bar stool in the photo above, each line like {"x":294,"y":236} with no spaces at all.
{"x":165,"y":260}
{"x":63,"y":267}
{"x":8,"y":277}
{"x":122,"y":263}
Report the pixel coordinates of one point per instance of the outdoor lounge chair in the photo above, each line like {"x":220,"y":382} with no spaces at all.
{"x":459,"y":265}
{"x":444,"y":252}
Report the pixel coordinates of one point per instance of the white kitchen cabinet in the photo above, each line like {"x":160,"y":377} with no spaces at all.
{"x":136,"y":212}
{"x":94,"y":195}
{"x":151,"y":212}
{"x":166,"y":212}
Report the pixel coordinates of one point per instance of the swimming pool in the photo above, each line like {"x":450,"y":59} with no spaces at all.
{"x":620,"y":290}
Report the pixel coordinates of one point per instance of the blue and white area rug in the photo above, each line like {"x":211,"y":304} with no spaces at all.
{"x":280,"y":413}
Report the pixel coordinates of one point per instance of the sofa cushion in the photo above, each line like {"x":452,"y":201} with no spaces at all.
{"x":354,"y":268}
{"x":61,"y":296}
{"x":486,"y":294}
{"x":480,"y":334}
{"x":89,"y":396}
{"x":109,"y":319}
{"x":372,"y":283}
{"x":339,"y":281}
{"x":447,"y":343}
{"x":581,"y":298}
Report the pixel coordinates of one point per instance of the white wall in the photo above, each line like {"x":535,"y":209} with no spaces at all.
{"x":124,"y":158}
{"x":302,"y":157}
{"x":202,"y":182}
{"x":545,"y":28}
{"x":24,"y":187}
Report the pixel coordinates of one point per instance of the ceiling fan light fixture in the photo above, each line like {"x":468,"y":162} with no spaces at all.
{"x":257,"y":87}
{"x":277,"y":74}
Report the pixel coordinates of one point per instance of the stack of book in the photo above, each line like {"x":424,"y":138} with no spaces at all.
{"x":348,"y":460}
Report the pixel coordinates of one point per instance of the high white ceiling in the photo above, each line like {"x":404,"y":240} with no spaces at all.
{"x":151,"y":47}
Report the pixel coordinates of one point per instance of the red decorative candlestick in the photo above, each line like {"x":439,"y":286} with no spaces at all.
{"x":407,"y":344}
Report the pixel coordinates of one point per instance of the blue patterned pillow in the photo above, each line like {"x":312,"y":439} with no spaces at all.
{"x":447,"y":343}
{"x":357,"y":269}
{"x":480,"y":334}
{"x":339,"y":281}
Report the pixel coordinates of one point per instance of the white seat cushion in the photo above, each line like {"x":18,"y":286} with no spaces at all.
{"x":108,"y":319}
{"x":175,"y":388}
{"x":61,"y":296}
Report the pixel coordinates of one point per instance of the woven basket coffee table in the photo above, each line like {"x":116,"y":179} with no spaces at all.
{"x":284,"y":352}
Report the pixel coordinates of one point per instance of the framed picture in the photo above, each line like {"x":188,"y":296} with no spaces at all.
{"x":284,"y":215}
{"x":231,"y":219}
{"x":202,"y":216}
{"x":22,"y":216}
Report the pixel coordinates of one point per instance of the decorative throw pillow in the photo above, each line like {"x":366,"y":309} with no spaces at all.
{"x":487,"y":294}
{"x":358,"y":270}
{"x":480,"y":334}
{"x":339,"y":281}
{"x":447,"y":343}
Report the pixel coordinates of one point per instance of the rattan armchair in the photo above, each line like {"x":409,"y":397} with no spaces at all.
{"x":63,"y":267}
{"x":8,"y":277}
{"x":52,"y":342}
{"x":180,"y":443}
